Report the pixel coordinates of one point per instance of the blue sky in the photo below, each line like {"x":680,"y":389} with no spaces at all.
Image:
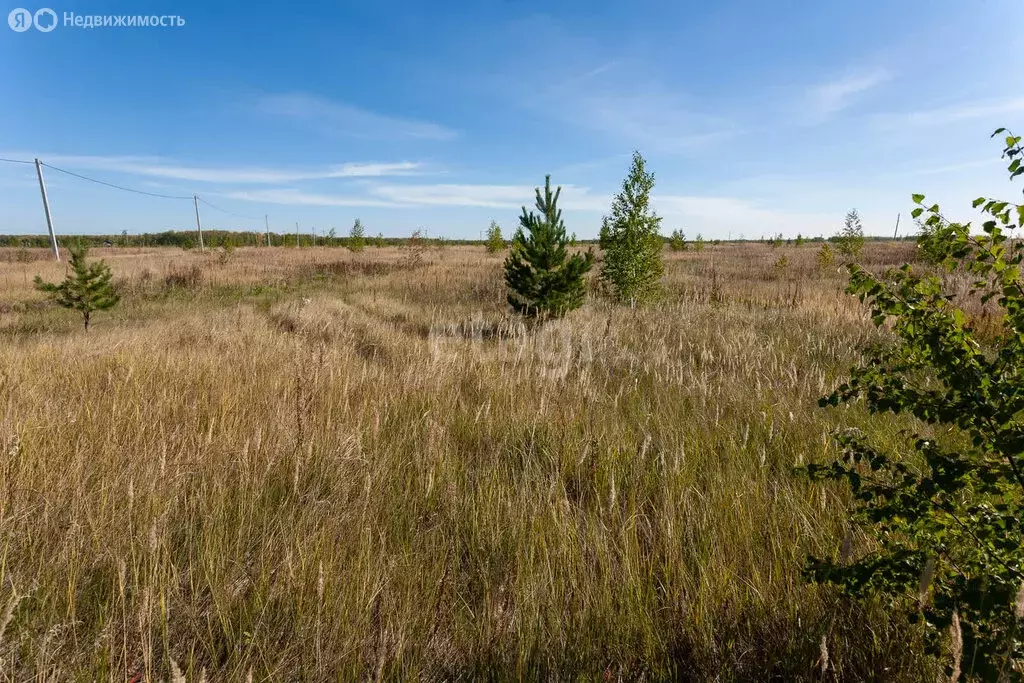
{"x":756,"y":117}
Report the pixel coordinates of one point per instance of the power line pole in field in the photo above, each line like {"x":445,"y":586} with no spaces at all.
{"x":46,"y":210}
{"x":199,"y":225}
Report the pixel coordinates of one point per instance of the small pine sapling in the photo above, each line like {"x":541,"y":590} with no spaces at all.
{"x":86,"y":289}
{"x":543,"y":279}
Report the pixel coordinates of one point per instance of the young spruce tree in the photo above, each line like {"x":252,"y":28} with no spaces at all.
{"x":632,"y":261}
{"x":85,"y":289}
{"x":543,"y":279}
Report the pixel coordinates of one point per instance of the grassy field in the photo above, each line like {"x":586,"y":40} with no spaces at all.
{"x":281,"y":464}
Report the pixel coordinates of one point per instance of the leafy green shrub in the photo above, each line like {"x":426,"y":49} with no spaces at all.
{"x":850,"y":240}
{"x":677,"y":242}
{"x":495,"y":242}
{"x":931,"y":241}
{"x":357,"y":237}
{"x":825,"y":257}
{"x":946,"y":525}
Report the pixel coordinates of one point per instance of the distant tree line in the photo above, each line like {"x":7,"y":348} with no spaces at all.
{"x":217,"y":238}
{"x":226,"y":238}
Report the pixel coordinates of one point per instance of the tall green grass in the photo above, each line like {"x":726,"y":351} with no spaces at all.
{"x":379,"y":474}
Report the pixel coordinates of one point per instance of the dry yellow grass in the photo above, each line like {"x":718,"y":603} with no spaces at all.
{"x":318,"y":465}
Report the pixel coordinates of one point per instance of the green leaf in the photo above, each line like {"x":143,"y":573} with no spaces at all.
{"x":917,"y":198}
{"x":937,"y":368}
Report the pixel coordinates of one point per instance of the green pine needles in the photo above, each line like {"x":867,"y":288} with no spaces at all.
{"x":543,"y":279}
{"x":632,"y":265}
{"x":86,"y":288}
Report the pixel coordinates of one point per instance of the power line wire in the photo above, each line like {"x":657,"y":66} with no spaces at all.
{"x":230,"y":213}
{"x":132,"y":190}
{"x":116,"y":187}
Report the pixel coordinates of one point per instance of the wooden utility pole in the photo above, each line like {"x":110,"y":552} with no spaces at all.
{"x":199,"y":225}
{"x":896,"y":232}
{"x":46,"y":210}
{"x":296,"y":235}
{"x":266,"y":224}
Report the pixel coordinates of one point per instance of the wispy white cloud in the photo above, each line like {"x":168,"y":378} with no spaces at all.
{"x":160,"y":168}
{"x":614,"y":163}
{"x":951,"y":168}
{"x":589,"y":74}
{"x":964,"y":111}
{"x":449,"y":195}
{"x":619,"y":99}
{"x":496,"y":196}
{"x":661,"y":122}
{"x":452,"y":195}
{"x":21,"y":184}
{"x":647,"y":116}
{"x":708,"y":214}
{"x":836,"y":95}
{"x":723,"y":215}
{"x":339,"y":118}
{"x":293,"y":197}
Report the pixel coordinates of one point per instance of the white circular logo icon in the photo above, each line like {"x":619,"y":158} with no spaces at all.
{"x":20,"y":20}
{"x":45,"y":20}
